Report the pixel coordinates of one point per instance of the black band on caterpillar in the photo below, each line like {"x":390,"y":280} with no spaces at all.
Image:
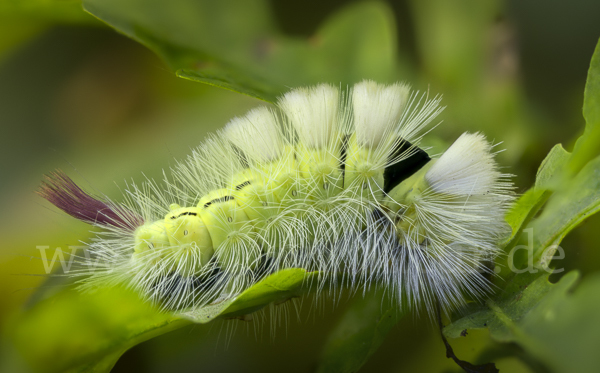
{"x":396,"y":173}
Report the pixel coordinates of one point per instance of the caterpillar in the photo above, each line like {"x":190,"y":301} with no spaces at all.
{"x":327,"y":180}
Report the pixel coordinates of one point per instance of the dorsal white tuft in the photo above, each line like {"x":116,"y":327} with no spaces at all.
{"x":257,"y":134}
{"x":313,"y":112}
{"x":467,"y":168}
{"x":377,"y":110}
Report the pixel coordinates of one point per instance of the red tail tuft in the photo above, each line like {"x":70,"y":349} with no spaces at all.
{"x":63,"y":193}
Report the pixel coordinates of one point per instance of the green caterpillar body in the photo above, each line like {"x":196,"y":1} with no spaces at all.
{"x":326,"y":184}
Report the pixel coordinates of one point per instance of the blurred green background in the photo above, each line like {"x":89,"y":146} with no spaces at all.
{"x":76,"y":95}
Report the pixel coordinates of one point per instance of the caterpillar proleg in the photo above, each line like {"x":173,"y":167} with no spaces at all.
{"x":327,"y":181}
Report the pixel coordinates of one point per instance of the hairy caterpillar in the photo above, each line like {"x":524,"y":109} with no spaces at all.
{"x":328,"y":181}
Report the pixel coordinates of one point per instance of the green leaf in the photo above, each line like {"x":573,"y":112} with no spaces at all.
{"x":73,"y":331}
{"x":565,"y":327}
{"x":502,"y":314}
{"x":522,"y":211}
{"x":233,"y":44}
{"x":276,"y":288}
{"x":573,"y":200}
{"x":358,"y":334}
{"x":576,"y":201}
{"x":586,"y":147}
{"x":551,"y":167}
{"x":88,"y":332}
{"x":528,"y":205}
{"x":576,"y":195}
{"x":559,"y":329}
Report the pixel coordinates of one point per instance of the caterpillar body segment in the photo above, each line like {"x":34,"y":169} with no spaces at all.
{"x":330,"y":182}
{"x":185,"y":227}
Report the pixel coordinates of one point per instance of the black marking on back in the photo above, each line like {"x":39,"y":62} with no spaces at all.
{"x":398,"y":172}
{"x":242,"y":185}
{"x":184,"y":214}
{"x":344,"y":153}
{"x":218,"y":200}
